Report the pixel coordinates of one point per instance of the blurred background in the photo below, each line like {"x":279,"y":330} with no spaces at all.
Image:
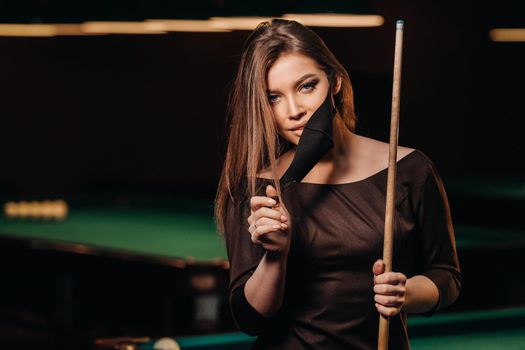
{"x":119,"y":109}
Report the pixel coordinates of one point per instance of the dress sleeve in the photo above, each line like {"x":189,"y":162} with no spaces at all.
{"x":438,"y":259}
{"x":244,"y":257}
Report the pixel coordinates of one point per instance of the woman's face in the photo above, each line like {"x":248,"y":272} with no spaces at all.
{"x":296,"y":88}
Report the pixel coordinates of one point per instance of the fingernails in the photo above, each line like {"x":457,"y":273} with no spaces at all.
{"x":276,"y":227}
{"x":271,"y":201}
{"x":284,"y":226}
{"x":283,"y":218}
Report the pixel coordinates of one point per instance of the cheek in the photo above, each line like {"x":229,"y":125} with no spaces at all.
{"x":279,"y":118}
{"x":317,"y":98}
{"x":287,"y":134}
{"x":282,"y":131}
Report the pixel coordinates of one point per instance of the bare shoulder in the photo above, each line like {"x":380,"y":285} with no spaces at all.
{"x":282,"y":163}
{"x":379,"y":150}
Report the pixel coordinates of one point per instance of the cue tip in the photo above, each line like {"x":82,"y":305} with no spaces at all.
{"x":399,"y":24}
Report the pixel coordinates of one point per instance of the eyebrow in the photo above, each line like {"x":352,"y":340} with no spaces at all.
{"x":298,"y":81}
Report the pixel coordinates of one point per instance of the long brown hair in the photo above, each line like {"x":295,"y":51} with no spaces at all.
{"x":253,"y":141}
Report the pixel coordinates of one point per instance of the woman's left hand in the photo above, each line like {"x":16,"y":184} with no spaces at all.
{"x":389,"y":289}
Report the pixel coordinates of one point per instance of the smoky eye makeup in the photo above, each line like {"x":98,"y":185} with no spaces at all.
{"x":310,"y":85}
{"x":304,"y":87}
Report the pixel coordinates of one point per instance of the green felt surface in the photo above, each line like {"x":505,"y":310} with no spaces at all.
{"x":508,"y":339}
{"x":488,"y":187}
{"x":188,"y":230}
{"x":477,"y":236}
{"x":474,"y":318}
{"x":179,"y":232}
{"x":491,"y":330}
{"x":228,"y":341}
{"x":165,"y":233}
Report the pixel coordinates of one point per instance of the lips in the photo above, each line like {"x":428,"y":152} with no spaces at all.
{"x":298,"y":127}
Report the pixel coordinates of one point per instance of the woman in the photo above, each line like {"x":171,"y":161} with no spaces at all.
{"x":305,"y":268}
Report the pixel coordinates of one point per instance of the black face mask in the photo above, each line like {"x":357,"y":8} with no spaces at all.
{"x":316,"y":140}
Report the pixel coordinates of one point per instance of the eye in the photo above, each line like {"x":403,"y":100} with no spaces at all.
{"x":309,"y":86}
{"x":273,"y":98}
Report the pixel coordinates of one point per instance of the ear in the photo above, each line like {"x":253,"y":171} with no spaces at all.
{"x":337,"y":86}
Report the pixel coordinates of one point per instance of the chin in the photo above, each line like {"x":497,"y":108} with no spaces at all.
{"x":283,"y":137}
{"x":294,"y":140}
{"x":295,"y":137}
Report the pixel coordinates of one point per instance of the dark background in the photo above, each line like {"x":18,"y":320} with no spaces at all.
{"x":147,"y":113}
{"x":125,"y":115}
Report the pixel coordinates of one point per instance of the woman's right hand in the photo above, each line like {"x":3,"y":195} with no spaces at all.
{"x":269,"y":223}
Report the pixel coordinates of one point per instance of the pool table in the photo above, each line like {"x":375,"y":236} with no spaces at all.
{"x":127,"y":266}
{"x":475,"y":330}
{"x":177,"y":232}
{"x":487,"y":201}
{"x":168,"y":255}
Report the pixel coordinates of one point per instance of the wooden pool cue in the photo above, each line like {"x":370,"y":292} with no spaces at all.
{"x":391,"y":180}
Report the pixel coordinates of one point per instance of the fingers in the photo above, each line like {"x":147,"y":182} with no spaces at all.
{"x":379,"y":267}
{"x":271,"y":191}
{"x":390,"y":278}
{"x":268,"y":222}
{"x":389,"y":305}
{"x":265,"y":225}
{"x":265,"y":221}
{"x":268,"y":213}
{"x":390,"y":301}
{"x":257,"y":202}
{"x":267,"y":233}
{"x":387,"y":311}
{"x":389,"y":289}
{"x":260,"y":212}
{"x":259,"y":233}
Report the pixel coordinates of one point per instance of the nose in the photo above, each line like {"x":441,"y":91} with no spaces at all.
{"x":295,"y":110}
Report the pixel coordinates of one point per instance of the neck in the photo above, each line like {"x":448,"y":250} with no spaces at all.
{"x":343,"y":141}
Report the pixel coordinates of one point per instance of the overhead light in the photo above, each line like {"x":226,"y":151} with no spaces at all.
{"x":237,"y":23}
{"x":27,"y":30}
{"x":122,"y":28}
{"x":314,"y":20}
{"x":507,"y":34}
{"x":42,"y":30}
{"x":70,"y":29}
{"x":181,"y":25}
{"x":336,"y":20}
{"x":35,"y":30}
{"x":102,"y":28}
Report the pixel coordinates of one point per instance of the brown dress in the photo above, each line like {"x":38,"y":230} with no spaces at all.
{"x":336,"y":238}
